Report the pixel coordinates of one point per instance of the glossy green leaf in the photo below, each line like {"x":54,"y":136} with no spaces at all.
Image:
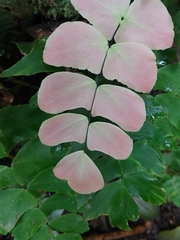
{"x":13,"y":202}
{"x":153,"y":110}
{"x":170,"y":104}
{"x":69,"y":236}
{"x":26,"y":47}
{"x":29,"y":224}
{"x":30,"y":64}
{"x":59,"y":201}
{"x":3,"y":152}
{"x":170,"y":130}
{"x":69,"y":223}
{"x":144,"y":185}
{"x":82,"y":199}
{"x":33,"y":158}
{"x":6,"y":177}
{"x":122,"y":209}
{"x":169,"y":234}
{"x":45,"y":181}
{"x":144,"y":155}
{"x":155,"y":137}
{"x":109,"y":168}
{"x":164,"y":57}
{"x":176,"y":21}
{"x":167,"y":127}
{"x":19,"y":123}
{"x":172,"y":159}
{"x":119,"y":205}
{"x":44,"y":233}
{"x":172,"y":187}
{"x":168,"y":79}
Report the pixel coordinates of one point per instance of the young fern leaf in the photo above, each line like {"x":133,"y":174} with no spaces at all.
{"x":121,"y":106}
{"x":108,"y":138}
{"x":65,"y":91}
{"x":124,"y":62}
{"x":77,"y":45}
{"x":129,"y":60}
{"x":63,"y":128}
{"x":80,"y":171}
{"x":144,"y":21}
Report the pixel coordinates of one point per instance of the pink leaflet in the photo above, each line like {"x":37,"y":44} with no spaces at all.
{"x":132,"y":64}
{"x":147,"y":22}
{"x":121,"y":106}
{"x":77,"y":45}
{"x":66,"y":127}
{"x":82,"y":174}
{"x":105,"y":15}
{"x":65,"y":90}
{"x":108,"y":138}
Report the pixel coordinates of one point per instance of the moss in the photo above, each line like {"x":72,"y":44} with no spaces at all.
{"x":54,"y":9}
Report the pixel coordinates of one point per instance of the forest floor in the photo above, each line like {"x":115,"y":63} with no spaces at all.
{"x":169,"y":218}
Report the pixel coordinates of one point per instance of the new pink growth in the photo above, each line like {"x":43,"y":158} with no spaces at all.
{"x":109,"y":139}
{"x":65,"y":90}
{"x":121,"y":106}
{"x":138,"y":27}
{"x":144,"y":21}
{"x":147,"y":22}
{"x":76,"y":45}
{"x":81,"y":173}
{"x":105,"y":15}
{"x":62,"y":128}
{"x":133,"y":64}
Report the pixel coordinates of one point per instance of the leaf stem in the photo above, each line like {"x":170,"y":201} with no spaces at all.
{"x":98,"y":78}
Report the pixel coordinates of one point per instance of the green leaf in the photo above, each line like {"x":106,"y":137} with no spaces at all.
{"x":26,"y":47}
{"x":19,"y":123}
{"x":168,"y":79}
{"x":45,"y":181}
{"x":144,"y":185}
{"x":165,"y":57}
{"x":3,"y":152}
{"x":69,"y":236}
{"x":170,"y":104}
{"x":31,"y":64}
{"x":29,"y":224}
{"x":176,"y":21}
{"x":172,"y":187}
{"x":109,"y":168}
{"x":167,"y":127}
{"x":155,"y":137}
{"x":59,"y":201}
{"x":44,"y":233}
{"x":69,"y":223}
{"x":172,"y":159}
{"x":82,"y":199}
{"x":13,"y":202}
{"x":122,"y":209}
{"x":6,"y":177}
{"x":169,"y":234}
{"x":33,"y":158}
{"x":153,"y":110}
{"x":144,"y":155}
{"x":119,"y":205}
